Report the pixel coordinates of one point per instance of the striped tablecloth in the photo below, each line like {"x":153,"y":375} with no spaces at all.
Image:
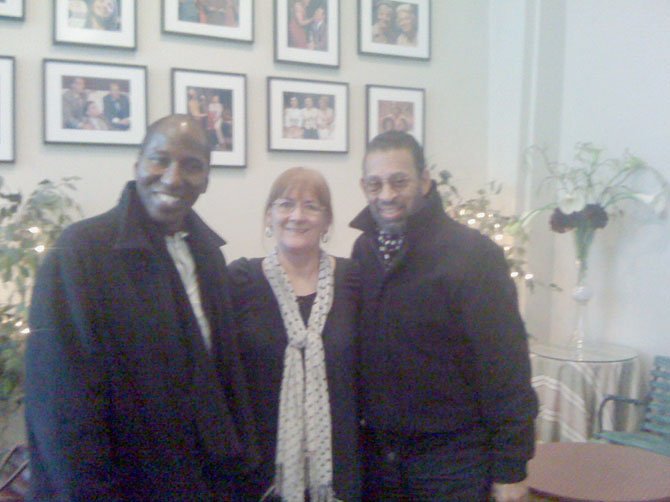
{"x":570,"y":392}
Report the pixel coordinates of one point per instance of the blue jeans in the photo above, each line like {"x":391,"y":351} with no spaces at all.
{"x":452,"y":466}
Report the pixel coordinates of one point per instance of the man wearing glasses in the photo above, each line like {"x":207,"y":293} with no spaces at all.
{"x":446,"y":403}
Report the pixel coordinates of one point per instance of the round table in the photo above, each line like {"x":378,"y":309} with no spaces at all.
{"x":589,"y":353}
{"x":572,"y":383}
{"x":598,"y":472}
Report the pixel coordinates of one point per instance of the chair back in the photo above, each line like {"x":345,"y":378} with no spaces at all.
{"x":657,"y":413}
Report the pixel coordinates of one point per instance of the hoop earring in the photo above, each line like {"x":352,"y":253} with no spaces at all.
{"x":268,"y":231}
{"x":325,"y":237}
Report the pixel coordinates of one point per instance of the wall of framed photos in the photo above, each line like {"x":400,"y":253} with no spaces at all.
{"x":498,"y":76}
{"x":452,"y":80}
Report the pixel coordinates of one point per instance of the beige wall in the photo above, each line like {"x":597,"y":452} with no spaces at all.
{"x":502,"y":75}
{"x":454,"y":79}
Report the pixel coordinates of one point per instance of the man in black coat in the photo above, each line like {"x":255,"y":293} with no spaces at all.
{"x":134,"y":389}
{"x":116,"y":108}
{"x":446,"y":402}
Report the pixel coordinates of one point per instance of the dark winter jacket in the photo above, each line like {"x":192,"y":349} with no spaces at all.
{"x":123,"y":402}
{"x":443,"y":346}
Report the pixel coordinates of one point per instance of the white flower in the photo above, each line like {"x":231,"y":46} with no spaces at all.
{"x":660,"y":203}
{"x":645,"y":198}
{"x":570,"y":201}
{"x":657,"y":202}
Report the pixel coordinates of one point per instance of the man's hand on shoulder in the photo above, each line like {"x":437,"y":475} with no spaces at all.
{"x":510,"y":492}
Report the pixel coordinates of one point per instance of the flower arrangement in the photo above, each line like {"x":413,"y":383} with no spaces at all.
{"x":591,"y":189}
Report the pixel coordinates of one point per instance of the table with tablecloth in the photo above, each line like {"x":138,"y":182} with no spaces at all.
{"x":572,"y":383}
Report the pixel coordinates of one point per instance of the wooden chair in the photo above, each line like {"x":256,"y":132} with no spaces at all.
{"x":654,"y":433}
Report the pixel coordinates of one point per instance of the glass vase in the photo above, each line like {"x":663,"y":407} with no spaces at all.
{"x":582,"y":292}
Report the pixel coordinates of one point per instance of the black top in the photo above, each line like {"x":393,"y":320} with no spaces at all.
{"x":443,"y":346}
{"x":262,"y":343}
{"x":305,"y":306}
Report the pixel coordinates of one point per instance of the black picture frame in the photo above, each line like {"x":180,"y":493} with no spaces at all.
{"x":395,"y":28}
{"x":75,"y":24}
{"x":301,"y":131}
{"x":314,"y":43}
{"x":13,"y":9}
{"x":96,"y":103}
{"x":395,"y":108}
{"x":187,"y":18}
{"x":7,"y":109}
{"x":225,"y":115}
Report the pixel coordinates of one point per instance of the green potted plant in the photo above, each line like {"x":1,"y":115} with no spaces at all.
{"x":28,"y":227}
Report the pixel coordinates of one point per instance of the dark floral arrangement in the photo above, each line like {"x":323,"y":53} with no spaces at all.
{"x":592,"y":215}
{"x":591,"y":189}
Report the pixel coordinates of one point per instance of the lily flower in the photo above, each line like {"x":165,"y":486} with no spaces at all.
{"x":570,"y":201}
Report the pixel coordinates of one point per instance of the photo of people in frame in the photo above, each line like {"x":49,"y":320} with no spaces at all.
{"x":95,"y":14}
{"x":95,"y":103}
{"x":308,"y":24}
{"x":215,"y":12}
{"x":214,"y":109}
{"x":394,"y":22}
{"x":308,"y":116}
{"x":396,"y":116}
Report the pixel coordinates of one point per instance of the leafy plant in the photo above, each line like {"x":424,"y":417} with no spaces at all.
{"x":28,"y":228}
{"x":505,"y":230}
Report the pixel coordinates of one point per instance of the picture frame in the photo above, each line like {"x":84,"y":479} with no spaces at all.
{"x":291,"y":128}
{"x":7,"y":109}
{"x":395,"y":108}
{"x":94,"y":103}
{"x":396,"y":28}
{"x":219,"y":100}
{"x":307,"y":32}
{"x":222,"y":19}
{"x":112,"y":24}
{"x":13,"y":9}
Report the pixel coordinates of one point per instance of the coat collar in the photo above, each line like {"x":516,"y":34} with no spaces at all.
{"x":431,"y":211}
{"x":136,"y":230}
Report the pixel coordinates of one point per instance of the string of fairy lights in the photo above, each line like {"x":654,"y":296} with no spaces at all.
{"x":493,"y":224}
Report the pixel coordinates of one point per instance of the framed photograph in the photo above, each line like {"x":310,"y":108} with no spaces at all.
{"x":307,"y":115}
{"x":226,"y":19}
{"x":12,"y":9}
{"x":399,"y":28}
{"x":218,"y":100}
{"x":307,"y":31}
{"x":395,"y":108}
{"x":96,"y":103}
{"x":7,"y":109}
{"x":104,"y":23}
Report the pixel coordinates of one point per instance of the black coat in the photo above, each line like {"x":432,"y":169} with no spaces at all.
{"x":122,"y":399}
{"x":263,"y":342}
{"x":443,"y":346}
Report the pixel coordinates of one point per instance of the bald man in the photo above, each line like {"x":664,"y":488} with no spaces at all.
{"x":133,"y":385}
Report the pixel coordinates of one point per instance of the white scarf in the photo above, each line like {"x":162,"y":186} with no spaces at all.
{"x":304,"y":456}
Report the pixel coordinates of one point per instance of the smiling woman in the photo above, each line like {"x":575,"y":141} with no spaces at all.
{"x":296,"y":310}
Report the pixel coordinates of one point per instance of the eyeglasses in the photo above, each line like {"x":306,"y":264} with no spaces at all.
{"x":373,"y":185}
{"x":287,"y":206}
